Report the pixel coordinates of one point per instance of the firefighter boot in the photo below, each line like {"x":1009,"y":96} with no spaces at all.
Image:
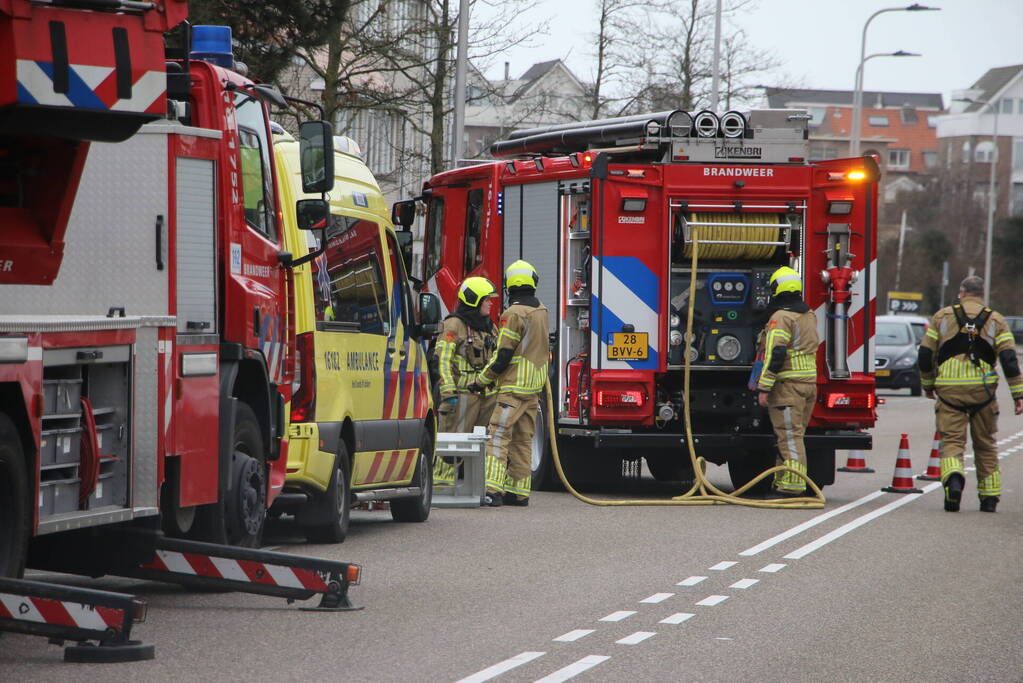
{"x":953,"y":491}
{"x":515,"y":501}
{"x":493,"y":499}
{"x":988,"y":503}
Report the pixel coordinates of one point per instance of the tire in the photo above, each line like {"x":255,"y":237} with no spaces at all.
{"x":544,"y":476}
{"x":15,"y":511}
{"x":239,"y":517}
{"x":328,"y":517}
{"x":670,"y":467}
{"x":418,"y":509}
{"x":745,"y":467}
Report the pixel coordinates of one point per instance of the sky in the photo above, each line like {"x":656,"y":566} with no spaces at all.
{"x":818,"y":41}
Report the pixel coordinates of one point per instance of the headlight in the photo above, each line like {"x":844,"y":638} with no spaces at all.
{"x":729,"y":348}
{"x":905,"y":362}
{"x":674,"y":320}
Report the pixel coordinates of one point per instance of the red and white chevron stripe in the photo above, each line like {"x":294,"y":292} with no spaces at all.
{"x":237,"y":570}
{"x":57,"y":612}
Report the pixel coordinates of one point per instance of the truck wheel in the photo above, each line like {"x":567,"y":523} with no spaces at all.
{"x":418,"y":509}
{"x":671,"y":467}
{"x":15,"y":513}
{"x":744,"y":468}
{"x":333,"y":510}
{"x":238,"y":519}
{"x":544,"y":474}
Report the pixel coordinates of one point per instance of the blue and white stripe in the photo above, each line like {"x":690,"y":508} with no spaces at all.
{"x":629,"y":295}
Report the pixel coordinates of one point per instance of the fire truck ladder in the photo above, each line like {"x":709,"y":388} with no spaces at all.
{"x":67,"y":613}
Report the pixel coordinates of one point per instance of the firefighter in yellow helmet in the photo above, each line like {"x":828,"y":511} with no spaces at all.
{"x":787,"y":385}
{"x":957,"y":362}
{"x":518,"y":368}
{"x":464,"y":345}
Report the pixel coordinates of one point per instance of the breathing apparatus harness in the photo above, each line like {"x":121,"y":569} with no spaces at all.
{"x":968,"y":342}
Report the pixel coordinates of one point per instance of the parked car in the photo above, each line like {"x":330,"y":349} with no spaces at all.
{"x":896,"y":342}
{"x":1016,"y":325}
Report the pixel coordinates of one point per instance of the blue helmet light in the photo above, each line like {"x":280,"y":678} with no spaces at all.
{"x":212,"y":44}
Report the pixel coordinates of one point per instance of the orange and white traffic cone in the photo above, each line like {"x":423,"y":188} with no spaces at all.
{"x":902,"y":480}
{"x":855,"y":463}
{"x":933,"y":472}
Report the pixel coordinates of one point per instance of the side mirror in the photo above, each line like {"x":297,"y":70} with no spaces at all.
{"x":405,"y":244}
{"x":312,"y":214}
{"x":403,"y":213}
{"x":429,"y":314}
{"x":316,"y":149}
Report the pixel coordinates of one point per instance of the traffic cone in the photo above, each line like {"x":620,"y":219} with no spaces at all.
{"x":855,"y":463}
{"x":902,"y":480}
{"x":933,"y":472}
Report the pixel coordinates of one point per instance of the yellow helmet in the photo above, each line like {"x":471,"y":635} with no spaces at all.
{"x":521,"y":274}
{"x":474,"y":290}
{"x":786,"y":280}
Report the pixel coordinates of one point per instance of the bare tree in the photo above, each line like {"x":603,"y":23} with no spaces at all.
{"x":618,"y":24}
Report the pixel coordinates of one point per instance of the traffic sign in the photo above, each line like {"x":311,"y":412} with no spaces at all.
{"x":905,"y":302}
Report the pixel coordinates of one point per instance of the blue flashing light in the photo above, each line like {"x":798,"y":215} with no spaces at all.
{"x":500,"y":203}
{"x":212,"y":44}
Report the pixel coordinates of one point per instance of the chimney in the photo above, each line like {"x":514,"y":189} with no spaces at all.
{"x":507,"y":71}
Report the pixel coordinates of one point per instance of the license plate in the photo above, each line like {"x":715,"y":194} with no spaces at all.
{"x":882,"y":373}
{"x":628,"y":346}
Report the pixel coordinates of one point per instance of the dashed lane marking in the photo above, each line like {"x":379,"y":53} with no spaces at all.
{"x":657,"y":597}
{"x":745,"y":583}
{"x":712,"y":600}
{"x":721,"y":566}
{"x":635,"y":638}
{"x":808,"y":524}
{"x":575,"y":635}
{"x":574,"y":669}
{"x":691,"y":581}
{"x":858,"y":522}
{"x":501,"y":667}
{"x":618,"y":616}
{"x":677,"y":618}
{"x":773,"y":568}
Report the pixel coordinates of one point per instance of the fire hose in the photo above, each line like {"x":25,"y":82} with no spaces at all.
{"x":702,"y":492}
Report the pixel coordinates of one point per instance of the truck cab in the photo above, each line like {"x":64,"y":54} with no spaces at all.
{"x":362,"y":421}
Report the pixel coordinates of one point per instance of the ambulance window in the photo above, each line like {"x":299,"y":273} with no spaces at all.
{"x":257,"y":189}
{"x":434,"y":233}
{"x":350,"y":287}
{"x":473,"y":230}
{"x":401,"y":304}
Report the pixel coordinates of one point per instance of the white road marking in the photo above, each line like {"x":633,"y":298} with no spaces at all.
{"x":712,"y":600}
{"x":808,"y":524}
{"x":721,"y":566}
{"x":501,"y":667}
{"x":575,"y":635}
{"x":858,"y":522}
{"x":657,"y":597}
{"x":618,"y":616}
{"x":573,"y":670}
{"x":691,"y":581}
{"x":677,"y":618}
{"x":773,"y":568}
{"x":637,"y":637}
{"x":745,"y":583}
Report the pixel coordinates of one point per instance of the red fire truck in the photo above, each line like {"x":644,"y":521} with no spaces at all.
{"x":607,"y":211}
{"x":146,"y":343}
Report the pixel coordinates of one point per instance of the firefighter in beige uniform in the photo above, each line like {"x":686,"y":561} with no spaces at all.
{"x":957,"y":362}
{"x":788,"y":384}
{"x":519,"y":370}
{"x":464,"y":345}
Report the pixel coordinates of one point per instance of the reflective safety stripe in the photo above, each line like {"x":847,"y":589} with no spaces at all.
{"x":519,"y":487}
{"x":1004,"y":337}
{"x":496,"y":473}
{"x":443,"y":473}
{"x":445,"y":351}
{"x":991,"y":485}
{"x":529,"y":379}
{"x":950,"y":466}
{"x":959,"y":371}
{"x":932,"y":333}
{"x":790,"y":481}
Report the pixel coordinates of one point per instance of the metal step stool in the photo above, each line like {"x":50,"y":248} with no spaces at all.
{"x":470,"y":485}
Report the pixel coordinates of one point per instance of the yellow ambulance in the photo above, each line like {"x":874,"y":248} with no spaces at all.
{"x":362,"y":424}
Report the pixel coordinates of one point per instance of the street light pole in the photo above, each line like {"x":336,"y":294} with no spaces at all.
{"x":461,"y":61}
{"x":854,"y":136}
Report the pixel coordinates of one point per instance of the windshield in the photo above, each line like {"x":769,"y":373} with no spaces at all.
{"x":892,"y":334}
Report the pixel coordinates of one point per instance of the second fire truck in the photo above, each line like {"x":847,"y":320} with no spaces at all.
{"x":607,"y":212}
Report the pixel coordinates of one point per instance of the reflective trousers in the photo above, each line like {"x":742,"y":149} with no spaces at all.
{"x":790,"y":405}
{"x":509,"y":463}
{"x":983,"y":424}
{"x":470,"y":411}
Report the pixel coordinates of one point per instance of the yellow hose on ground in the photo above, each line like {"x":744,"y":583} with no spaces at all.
{"x":702,"y":492}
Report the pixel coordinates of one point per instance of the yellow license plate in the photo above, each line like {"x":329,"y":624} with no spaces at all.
{"x":882,"y":373}
{"x":628,"y":346}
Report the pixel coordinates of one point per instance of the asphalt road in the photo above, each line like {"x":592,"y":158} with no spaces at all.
{"x":877,"y":586}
